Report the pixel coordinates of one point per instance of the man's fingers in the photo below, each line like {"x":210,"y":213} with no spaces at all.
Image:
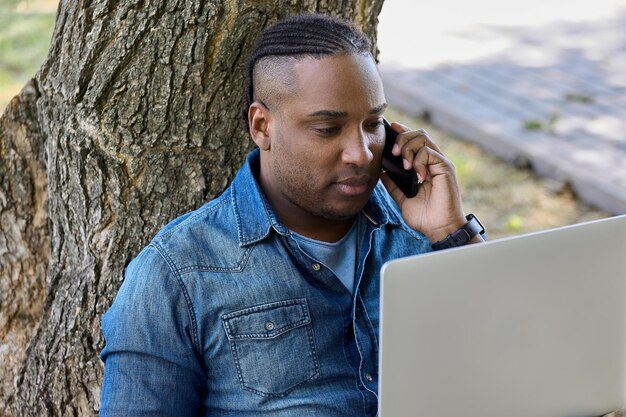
{"x":425,"y":162}
{"x":419,"y":156}
{"x":418,"y":151}
{"x":406,"y":136}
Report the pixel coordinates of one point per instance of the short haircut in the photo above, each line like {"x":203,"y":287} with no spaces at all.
{"x":299,"y":36}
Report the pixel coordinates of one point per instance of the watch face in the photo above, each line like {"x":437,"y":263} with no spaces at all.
{"x":475,"y":225}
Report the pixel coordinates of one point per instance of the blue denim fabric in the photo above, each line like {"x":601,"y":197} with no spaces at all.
{"x":223,"y":315}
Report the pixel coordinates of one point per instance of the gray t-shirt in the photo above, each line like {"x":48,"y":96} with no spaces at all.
{"x":339,"y":257}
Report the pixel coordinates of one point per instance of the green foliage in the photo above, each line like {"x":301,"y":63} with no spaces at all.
{"x":8,"y":5}
{"x":548,"y":125}
{"x":579,"y":98}
{"x":515,"y":223}
{"x":533,"y":124}
{"x":24,"y":40}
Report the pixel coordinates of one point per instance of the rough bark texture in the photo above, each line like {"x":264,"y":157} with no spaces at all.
{"x":24,"y":238}
{"x":132,"y":120}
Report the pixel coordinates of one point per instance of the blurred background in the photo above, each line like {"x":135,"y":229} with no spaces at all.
{"x":439,"y":51}
{"x":539,"y":85}
{"x":25,"y":31}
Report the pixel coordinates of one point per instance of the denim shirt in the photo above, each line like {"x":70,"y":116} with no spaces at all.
{"x":222,"y":314}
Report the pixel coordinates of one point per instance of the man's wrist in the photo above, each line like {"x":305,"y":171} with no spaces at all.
{"x":441,"y":233}
{"x":470,"y":232}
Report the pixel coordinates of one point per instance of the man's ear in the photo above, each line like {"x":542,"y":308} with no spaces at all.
{"x":259,"y":120}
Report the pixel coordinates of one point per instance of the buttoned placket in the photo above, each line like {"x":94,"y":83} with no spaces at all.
{"x":363,"y":332}
{"x":364,"y":336}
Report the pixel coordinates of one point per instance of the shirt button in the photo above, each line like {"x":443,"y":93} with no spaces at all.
{"x":316,"y":267}
{"x":369,"y":377}
{"x":269,"y":325}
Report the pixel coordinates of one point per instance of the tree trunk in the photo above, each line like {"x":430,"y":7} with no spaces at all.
{"x":133,"y":119}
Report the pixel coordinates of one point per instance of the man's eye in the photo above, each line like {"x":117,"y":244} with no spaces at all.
{"x":375,"y":124}
{"x":327,"y":130}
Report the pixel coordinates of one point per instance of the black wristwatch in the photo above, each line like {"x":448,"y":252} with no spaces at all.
{"x":461,"y":236}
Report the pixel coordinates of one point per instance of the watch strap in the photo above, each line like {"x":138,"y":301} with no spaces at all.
{"x":462,"y":236}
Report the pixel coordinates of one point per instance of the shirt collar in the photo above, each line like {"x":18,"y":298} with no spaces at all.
{"x":256,"y":218}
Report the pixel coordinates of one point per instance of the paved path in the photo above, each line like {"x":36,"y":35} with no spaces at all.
{"x":552,"y":96}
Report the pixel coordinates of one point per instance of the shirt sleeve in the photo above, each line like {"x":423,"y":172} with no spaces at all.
{"x":152,"y":365}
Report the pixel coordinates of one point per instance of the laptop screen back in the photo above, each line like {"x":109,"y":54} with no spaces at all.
{"x":530,"y":326}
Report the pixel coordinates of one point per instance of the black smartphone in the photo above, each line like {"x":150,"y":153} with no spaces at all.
{"x":406,"y":180}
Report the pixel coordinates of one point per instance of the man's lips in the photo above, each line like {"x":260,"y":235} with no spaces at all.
{"x":354,"y":185}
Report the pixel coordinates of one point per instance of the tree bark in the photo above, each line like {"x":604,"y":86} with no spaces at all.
{"x":133,"y":119}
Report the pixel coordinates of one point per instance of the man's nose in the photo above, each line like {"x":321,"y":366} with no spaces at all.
{"x":356,"y":149}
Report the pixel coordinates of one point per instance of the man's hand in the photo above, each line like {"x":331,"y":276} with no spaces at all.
{"x":436,"y":209}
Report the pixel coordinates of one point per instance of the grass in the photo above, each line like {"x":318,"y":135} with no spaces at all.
{"x":508,"y":200}
{"x":25,"y":32}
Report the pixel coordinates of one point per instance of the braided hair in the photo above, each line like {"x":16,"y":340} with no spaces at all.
{"x":299,"y":36}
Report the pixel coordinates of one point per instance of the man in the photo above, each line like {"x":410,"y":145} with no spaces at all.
{"x":265,"y":300}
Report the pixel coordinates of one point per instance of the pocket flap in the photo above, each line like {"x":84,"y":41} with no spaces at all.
{"x":266,"y":321}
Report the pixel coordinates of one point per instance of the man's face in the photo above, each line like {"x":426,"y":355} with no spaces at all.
{"x":326,"y":139}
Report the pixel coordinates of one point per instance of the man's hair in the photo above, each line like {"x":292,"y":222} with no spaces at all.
{"x":299,"y":36}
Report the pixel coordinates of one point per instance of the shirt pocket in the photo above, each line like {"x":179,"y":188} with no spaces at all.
{"x":273,"y":346}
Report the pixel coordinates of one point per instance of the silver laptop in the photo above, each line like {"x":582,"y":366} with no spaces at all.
{"x":529,"y":326}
